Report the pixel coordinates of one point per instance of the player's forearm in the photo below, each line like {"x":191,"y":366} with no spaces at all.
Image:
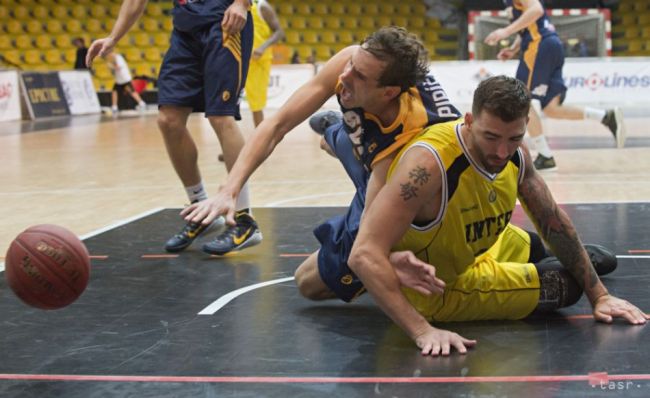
{"x":378,"y":277}
{"x":130,"y":12}
{"x":274,"y":38}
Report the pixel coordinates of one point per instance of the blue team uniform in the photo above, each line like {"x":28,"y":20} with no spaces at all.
{"x":204,"y":69}
{"x":542,"y":57}
{"x":360,"y":141}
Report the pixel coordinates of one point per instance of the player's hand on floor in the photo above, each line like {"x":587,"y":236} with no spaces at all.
{"x":416,"y":274}
{"x":609,"y":307}
{"x":208,"y":210}
{"x":100,"y":48}
{"x":436,"y":342}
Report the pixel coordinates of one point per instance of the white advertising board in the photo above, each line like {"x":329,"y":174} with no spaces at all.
{"x":79,"y":92}
{"x":9,"y":96}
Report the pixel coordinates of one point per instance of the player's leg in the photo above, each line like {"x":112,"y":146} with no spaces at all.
{"x":134,"y":94}
{"x":180,"y":91}
{"x":114,"y":97}
{"x":227,"y":65}
{"x":257,"y":82}
{"x":309,"y":282}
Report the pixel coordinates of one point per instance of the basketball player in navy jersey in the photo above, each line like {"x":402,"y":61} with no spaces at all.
{"x":387,"y":97}
{"x":204,"y":70}
{"x":540,"y":68}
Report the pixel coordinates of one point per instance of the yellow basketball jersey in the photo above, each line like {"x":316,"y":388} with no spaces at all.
{"x":262,"y":31}
{"x":475,"y":208}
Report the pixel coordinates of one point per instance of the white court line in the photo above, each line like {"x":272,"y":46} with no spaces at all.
{"x":226,"y":298}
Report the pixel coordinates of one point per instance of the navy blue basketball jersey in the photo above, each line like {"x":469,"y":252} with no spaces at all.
{"x":420,"y":106}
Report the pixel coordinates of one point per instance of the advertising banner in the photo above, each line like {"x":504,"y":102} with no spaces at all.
{"x":44,"y":94}
{"x":9,"y":96}
{"x":79,"y":92}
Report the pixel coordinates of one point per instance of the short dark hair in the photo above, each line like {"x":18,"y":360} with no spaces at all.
{"x":502,"y":96}
{"x":407,"y":59}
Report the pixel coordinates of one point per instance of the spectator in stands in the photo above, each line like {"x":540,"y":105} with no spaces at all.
{"x":540,"y":68}
{"x":82,"y":50}
{"x":118,"y":66}
{"x":295,"y":58}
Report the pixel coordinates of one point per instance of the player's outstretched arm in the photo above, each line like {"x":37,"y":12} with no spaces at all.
{"x":130,"y":12}
{"x":413,"y":186}
{"x":557,"y":229}
{"x":533,"y":10}
{"x":302,"y":104}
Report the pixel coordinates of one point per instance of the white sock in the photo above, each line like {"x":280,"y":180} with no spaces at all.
{"x":196,"y":193}
{"x":594,"y":113}
{"x":542,"y":146}
{"x":243,"y":200}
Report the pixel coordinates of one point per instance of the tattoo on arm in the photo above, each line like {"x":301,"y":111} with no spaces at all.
{"x":417,"y":177}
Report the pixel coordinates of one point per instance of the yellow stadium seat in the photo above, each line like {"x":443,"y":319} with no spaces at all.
{"x":53,"y":57}
{"x":387,"y":8}
{"x":383,"y":20}
{"x":323,"y":52}
{"x":632,"y":33}
{"x":33,"y":57}
{"x":349,"y":22}
{"x":34,"y":26}
{"x":24,"y":42}
{"x":304,"y":52}
{"x":161,"y":39}
{"x":400,"y":21}
{"x":634,"y":47}
{"x":310,"y":37}
{"x":78,"y":11}
{"x":144,"y":69}
{"x":320,"y":9}
{"x":94,"y":26}
{"x":168,"y":25}
{"x":403,"y":9}
{"x":353,"y":9}
{"x":5,"y":42}
{"x":416,"y":22}
{"x":69,"y":56}
{"x":367,"y":22}
{"x":297,"y":22}
{"x":292,"y":37}
{"x":150,"y":25}
{"x":141,"y":40}
{"x":40,"y":12}
{"x":628,"y":19}
{"x":98,"y":11}
{"x":59,"y":12}
{"x":133,"y":55}
{"x":302,"y":8}
{"x":12,"y":56}
{"x":430,"y":37}
{"x":285,"y":9}
{"x":62,"y":41}
{"x":73,"y":26}
{"x":640,"y":6}
{"x":102,"y":71}
{"x":43,"y":42}
{"x":152,"y":55}
{"x":337,"y":9}
{"x":332,"y":22}
{"x":20,"y":12}
{"x":419,"y":9}
{"x":4,"y":12}
{"x":154,"y":10}
{"x":625,"y":7}
{"x":645,"y":33}
{"x":315,"y":22}
{"x":432,"y":23}
{"x":370,"y":9}
{"x":328,"y":37}
{"x":14,"y":27}
{"x":345,"y":37}
{"x":644,"y":19}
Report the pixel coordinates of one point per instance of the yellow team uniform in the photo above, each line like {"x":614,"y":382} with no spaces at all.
{"x":259,"y":71}
{"x":481,"y":257}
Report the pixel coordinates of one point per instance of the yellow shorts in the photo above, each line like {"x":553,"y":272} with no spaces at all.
{"x":257,"y":83}
{"x":499,"y":285}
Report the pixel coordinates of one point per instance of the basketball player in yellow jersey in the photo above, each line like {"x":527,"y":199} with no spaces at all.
{"x":449,"y":197}
{"x":267,"y":31}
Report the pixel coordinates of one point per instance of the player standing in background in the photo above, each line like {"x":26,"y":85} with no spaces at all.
{"x":204,"y":70}
{"x":540,"y":68}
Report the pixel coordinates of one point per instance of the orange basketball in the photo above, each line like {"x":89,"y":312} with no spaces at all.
{"x":47,"y":266}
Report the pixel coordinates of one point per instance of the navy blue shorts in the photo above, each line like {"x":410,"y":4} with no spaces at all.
{"x":337,"y":234}
{"x":202,"y":72}
{"x":544,"y":77}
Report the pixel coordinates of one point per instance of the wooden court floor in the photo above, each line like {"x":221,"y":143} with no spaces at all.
{"x":93,"y":174}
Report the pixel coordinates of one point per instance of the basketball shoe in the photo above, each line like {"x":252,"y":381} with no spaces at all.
{"x":603,"y":260}
{"x":188,"y":234}
{"x":542,"y":163}
{"x":613,"y":120}
{"x":320,"y":121}
{"x":243,"y":234}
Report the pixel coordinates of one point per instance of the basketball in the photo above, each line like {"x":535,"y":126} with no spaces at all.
{"x":47,"y":266}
